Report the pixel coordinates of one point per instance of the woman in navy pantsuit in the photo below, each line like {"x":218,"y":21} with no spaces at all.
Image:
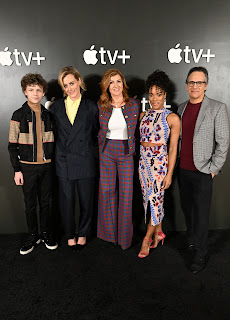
{"x":118,"y":116}
{"x":76,"y":120}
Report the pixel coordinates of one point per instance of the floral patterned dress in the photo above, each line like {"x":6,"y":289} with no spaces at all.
{"x":153,"y":163}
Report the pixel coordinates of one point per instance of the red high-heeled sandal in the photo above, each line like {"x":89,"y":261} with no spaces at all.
{"x":162,"y":235}
{"x":143,"y":254}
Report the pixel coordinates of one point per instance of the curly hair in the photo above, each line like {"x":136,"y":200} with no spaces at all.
{"x":70,"y":70}
{"x":159,"y":79}
{"x":105,"y":98}
{"x":33,"y":79}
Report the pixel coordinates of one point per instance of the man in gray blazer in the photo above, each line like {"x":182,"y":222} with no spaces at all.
{"x":203,"y":150}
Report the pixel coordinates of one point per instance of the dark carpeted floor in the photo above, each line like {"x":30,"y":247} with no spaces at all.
{"x":104,"y":282}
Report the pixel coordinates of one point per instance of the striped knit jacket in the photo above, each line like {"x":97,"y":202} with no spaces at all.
{"x":23,"y":138}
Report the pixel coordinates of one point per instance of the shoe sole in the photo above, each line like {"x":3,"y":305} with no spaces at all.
{"x":31,"y":249}
{"x":50,"y":247}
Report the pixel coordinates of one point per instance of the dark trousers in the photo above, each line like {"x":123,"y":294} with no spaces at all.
{"x":195,"y":197}
{"x":37,"y":186}
{"x":67,"y":191}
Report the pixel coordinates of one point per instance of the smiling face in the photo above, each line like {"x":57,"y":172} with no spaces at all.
{"x":34,"y":93}
{"x":71,"y":87}
{"x":157,"y":97}
{"x":196,"y":94}
{"x":116,"y":87}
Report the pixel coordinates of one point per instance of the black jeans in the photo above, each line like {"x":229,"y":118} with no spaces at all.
{"x":67,"y":201}
{"x":37,"y":186}
{"x":195,"y":197}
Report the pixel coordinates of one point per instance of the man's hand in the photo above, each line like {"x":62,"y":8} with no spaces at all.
{"x":213,"y":175}
{"x":18,"y":178}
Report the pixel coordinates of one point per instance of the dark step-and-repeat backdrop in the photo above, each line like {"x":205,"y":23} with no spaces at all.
{"x":136,"y":37}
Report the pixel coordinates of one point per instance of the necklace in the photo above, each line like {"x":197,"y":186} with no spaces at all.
{"x":118,"y":104}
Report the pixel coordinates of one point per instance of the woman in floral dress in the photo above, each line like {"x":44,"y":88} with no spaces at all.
{"x":156,"y":163}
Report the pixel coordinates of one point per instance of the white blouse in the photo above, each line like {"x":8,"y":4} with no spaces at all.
{"x":117,"y":127}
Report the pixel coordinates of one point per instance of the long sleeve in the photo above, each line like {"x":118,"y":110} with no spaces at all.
{"x":221,"y":140}
{"x":13,"y":143}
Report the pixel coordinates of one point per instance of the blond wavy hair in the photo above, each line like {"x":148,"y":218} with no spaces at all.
{"x":105,"y":98}
{"x":70,"y":70}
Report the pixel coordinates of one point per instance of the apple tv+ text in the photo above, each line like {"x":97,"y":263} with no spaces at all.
{"x":90,"y":56}
{"x":20,"y":58}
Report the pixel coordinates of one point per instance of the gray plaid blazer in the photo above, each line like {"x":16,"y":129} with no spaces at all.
{"x":211,"y":135}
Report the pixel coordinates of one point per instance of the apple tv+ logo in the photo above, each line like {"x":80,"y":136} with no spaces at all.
{"x":90,"y":56}
{"x":6,"y":60}
{"x":174,"y":54}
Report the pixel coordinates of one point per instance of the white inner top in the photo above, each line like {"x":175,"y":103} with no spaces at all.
{"x":117,"y":127}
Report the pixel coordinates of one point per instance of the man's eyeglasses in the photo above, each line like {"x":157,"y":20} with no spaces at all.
{"x":192,"y":83}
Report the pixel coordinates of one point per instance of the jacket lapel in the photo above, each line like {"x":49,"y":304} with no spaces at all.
{"x":79,"y":120}
{"x":61,"y":114}
{"x":180,"y":113}
{"x":201,"y":113}
{"x":107,"y":116}
{"x":182,"y":109}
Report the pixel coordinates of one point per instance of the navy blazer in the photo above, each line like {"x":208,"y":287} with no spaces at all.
{"x":74,"y":150}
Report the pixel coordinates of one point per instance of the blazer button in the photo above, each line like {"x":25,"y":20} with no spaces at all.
{"x":129,"y":137}
{"x":123,"y":107}
{"x":130,"y":147}
{"x":126,"y":117}
{"x":129,"y":126}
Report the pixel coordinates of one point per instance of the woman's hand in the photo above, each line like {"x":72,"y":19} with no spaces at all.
{"x":166,"y":182}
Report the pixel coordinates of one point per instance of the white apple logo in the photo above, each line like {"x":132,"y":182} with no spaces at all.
{"x":5,"y":59}
{"x":48,"y":103}
{"x":174,"y":54}
{"x":90,"y":55}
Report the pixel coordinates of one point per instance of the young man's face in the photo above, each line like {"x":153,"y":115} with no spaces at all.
{"x":34,"y":93}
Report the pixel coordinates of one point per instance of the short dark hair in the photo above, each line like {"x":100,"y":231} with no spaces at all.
{"x":199,"y":69}
{"x":159,"y":79}
{"x":33,"y":79}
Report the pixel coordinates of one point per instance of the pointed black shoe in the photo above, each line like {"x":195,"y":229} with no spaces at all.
{"x":80,"y":247}
{"x":198,"y":264}
{"x":73,"y":248}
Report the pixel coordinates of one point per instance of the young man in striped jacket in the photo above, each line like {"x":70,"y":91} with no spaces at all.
{"x":30,"y":146}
